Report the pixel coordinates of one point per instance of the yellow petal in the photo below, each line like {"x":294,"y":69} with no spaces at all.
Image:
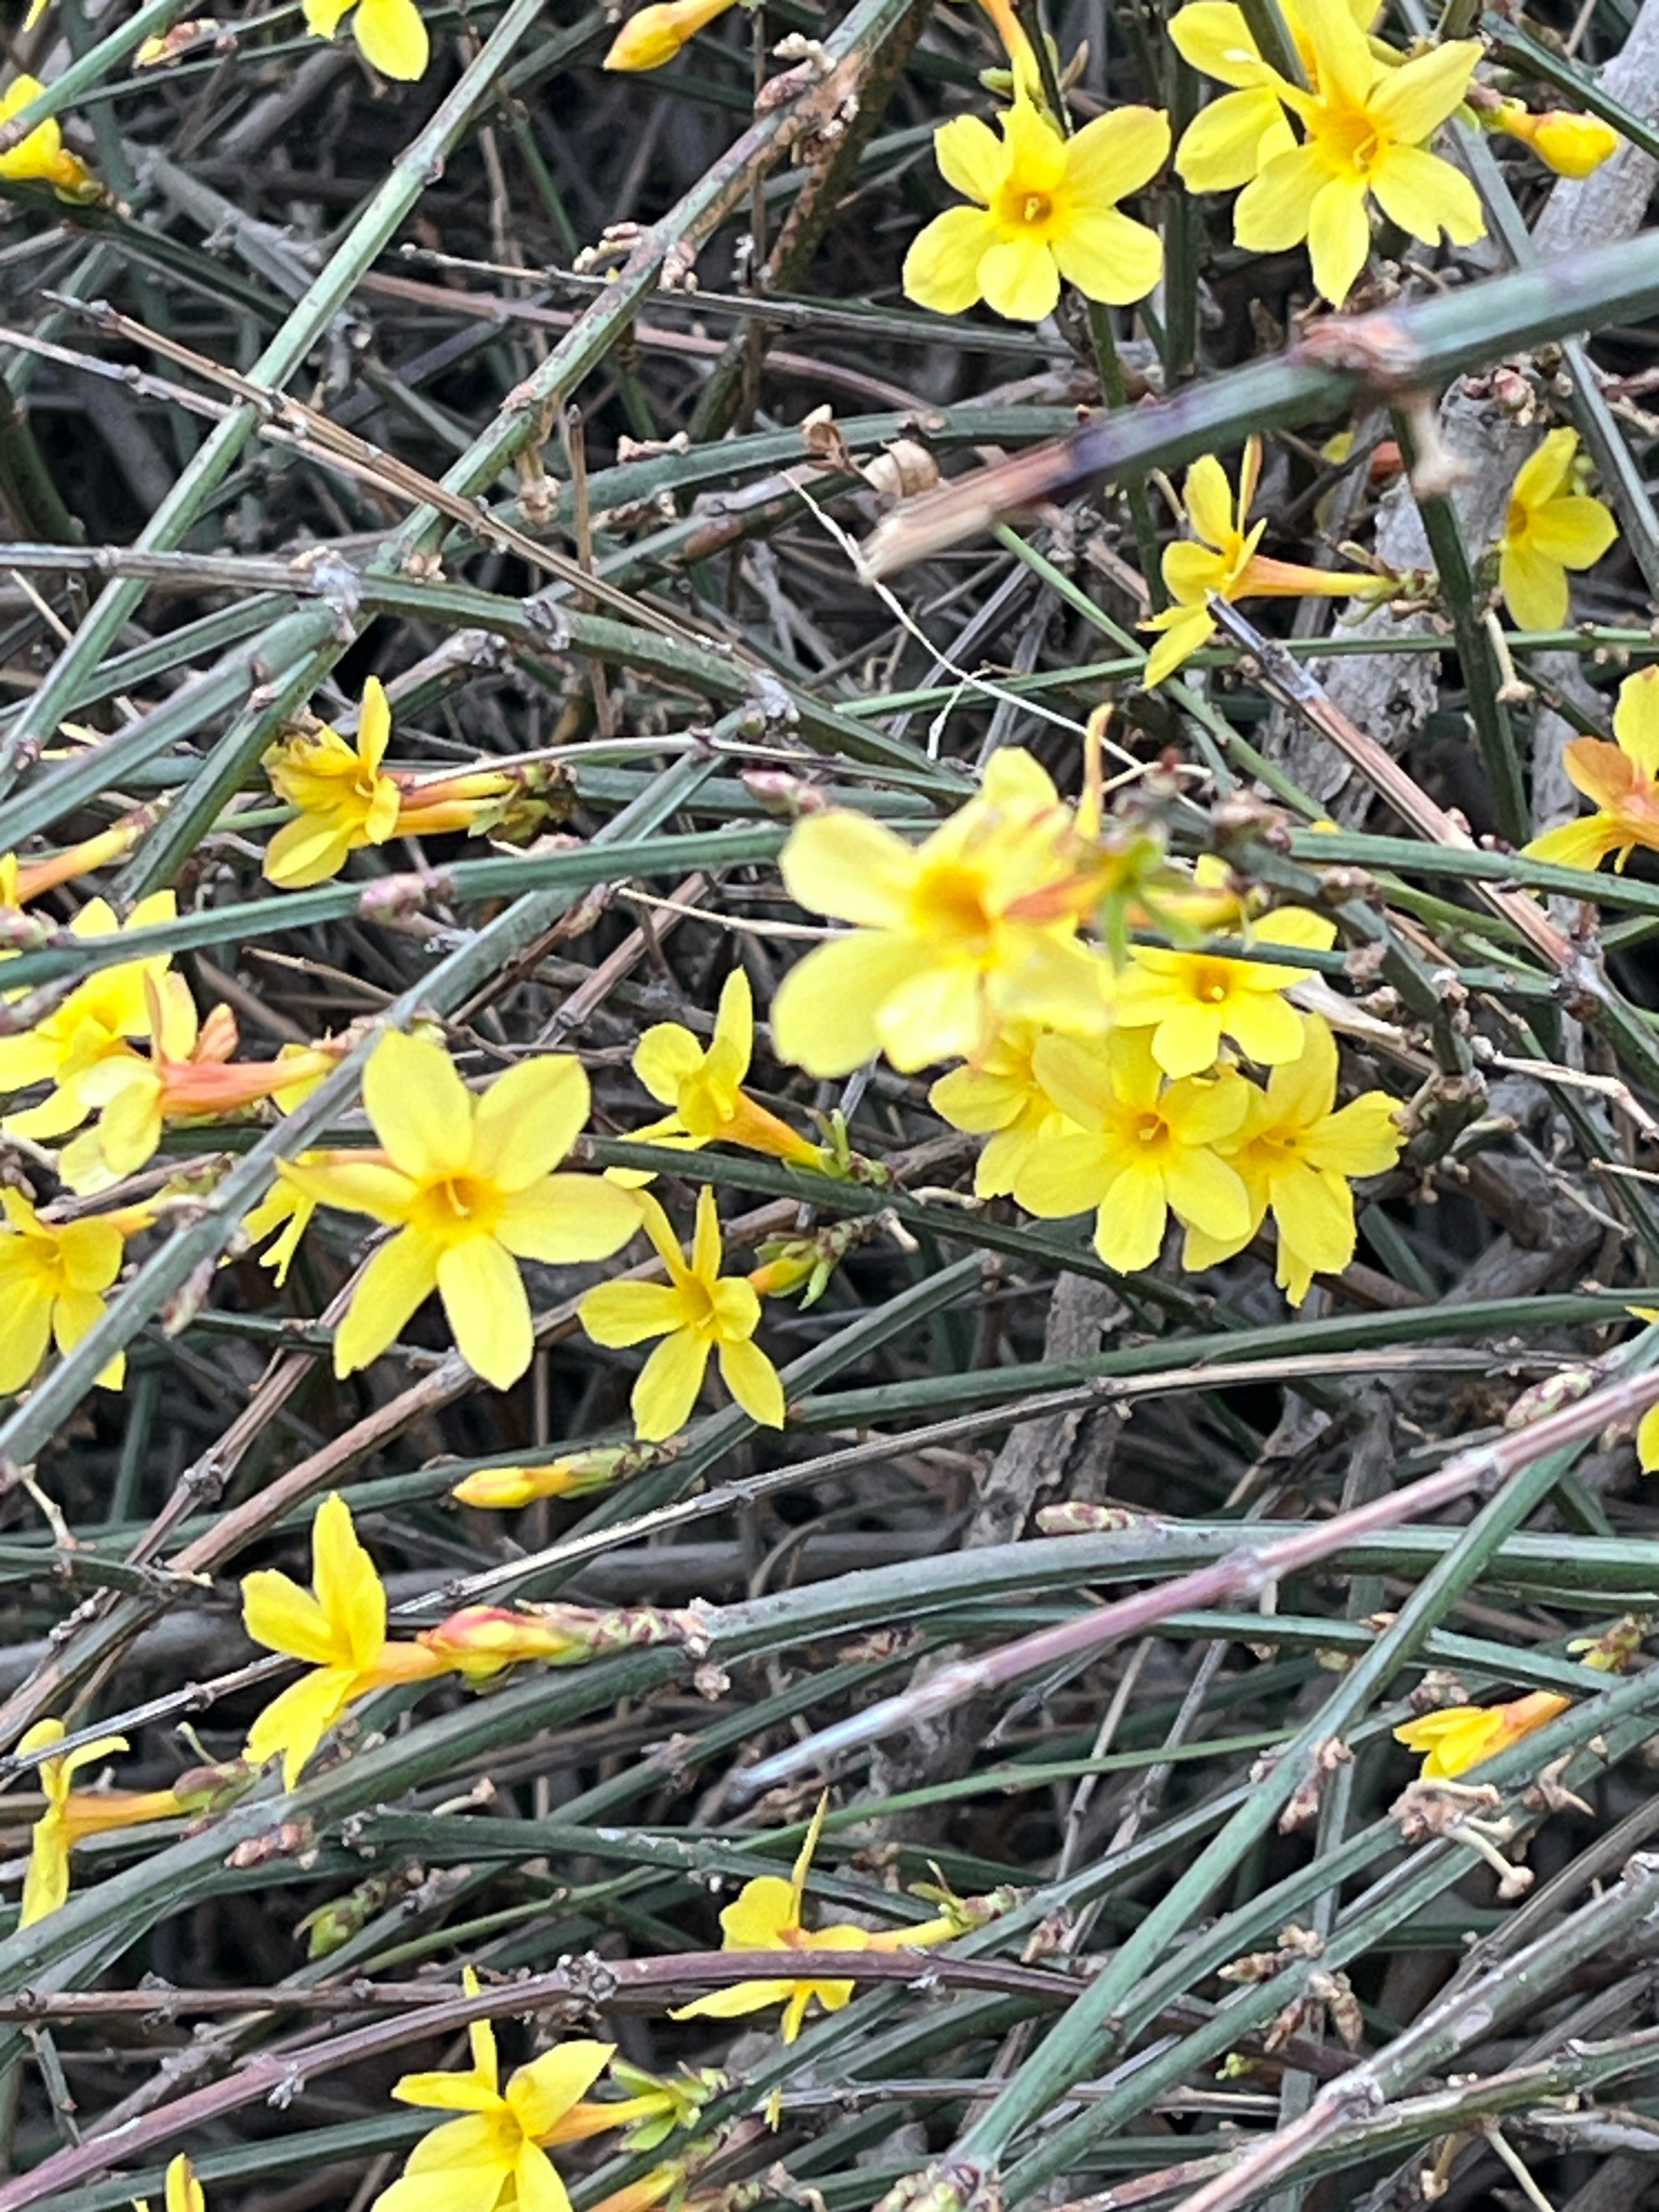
{"x":1534,"y":590}
{"x":1116,"y":155}
{"x":393,"y":38}
{"x":488,"y":1309}
{"x":1020,"y":280}
{"x":668,"y":1385}
{"x":1213,"y":36}
{"x":972,"y":160}
{"x":348,"y":1590}
{"x":1338,"y":237}
{"x":753,"y":1381}
{"x":941,"y":269}
{"x":1636,"y":720}
{"x":528,"y":1120}
{"x":843,"y":863}
{"x":1110,"y":257}
{"x":421,"y":1110}
{"x":1572,"y":530}
{"x":398,"y":1278}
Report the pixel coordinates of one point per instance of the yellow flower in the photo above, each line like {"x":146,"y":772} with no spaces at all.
{"x":695,"y":1312}
{"x":345,"y":799}
{"x":998,"y":1095}
{"x":765,"y":1915}
{"x":53,"y":1276}
{"x":72,"y":1815}
{"x":1367,"y":122}
{"x":943,"y":950}
{"x":389,"y":33}
{"x":1462,"y":1736}
{"x":1145,"y":1148}
{"x":1192,"y":1000}
{"x":1047,"y":207}
{"x":654,"y":36}
{"x":1621,"y":779}
{"x":338,"y":1628}
{"x":94,"y":1023}
{"x":1234,"y":137}
{"x":468,"y":1184}
{"x":189,"y":1076}
{"x":494,"y":2155}
{"x":1549,"y":530}
{"x":1221,"y":557}
{"x":705,"y":1088}
{"x":1298,"y":1154}
{"x":42,"y":157}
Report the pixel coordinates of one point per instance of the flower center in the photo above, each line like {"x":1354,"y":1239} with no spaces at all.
{"x":457,"y":1206}
{"x":1212,"y":984}
{"x":1149,"y":1127}
{"x":1021,"y":208}
{"x":1348,"y":136}
{"x":949,"y":907}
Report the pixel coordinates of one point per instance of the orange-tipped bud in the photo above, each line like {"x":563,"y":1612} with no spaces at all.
{"x":481,"y":1640}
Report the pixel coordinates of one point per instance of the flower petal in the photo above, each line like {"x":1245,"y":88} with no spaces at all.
{"x":753,"y":1381}
{"x":528,"y":1120}
{"x":1020,"y":280}
{"x":1129,"y":1226}
{"x":972,"y":160}
{"x":348,"y":1590}
{"x":487,"y":1309}
{"x":421,"y":1110}
{"x":1116,"y":155}
{"x":393,"y":38}
{"x":843,"y":863}
{"x":618,"y":1314}
{"x":1534,"y":590}
{"x":1213,"y":36}
{"x":398,"y":1278}
{"x":1110,"y":257}
{"x":1338,"y":237}
{"x":668,"y":1385}
{"x":1636,"y":720}
{"x":1273,"y":210}
{"x":1572,"y":530}
{"x":1229,"y":141}
{"x":565,"y":1218}
{"x":941,"y":269}
{"x":1425,"y":196}
{"x":824,"y":1014}
{"x":542,"y":2093}
{"x":1411,"y":102}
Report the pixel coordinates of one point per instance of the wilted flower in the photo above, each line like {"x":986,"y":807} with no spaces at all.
{"x":1459,"y":1737}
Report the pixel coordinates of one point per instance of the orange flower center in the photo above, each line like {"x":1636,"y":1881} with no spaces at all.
{"x":1149,"y":1128}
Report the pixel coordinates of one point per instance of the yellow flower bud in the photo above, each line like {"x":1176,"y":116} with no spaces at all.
{"x":656,"y":33}
{"x":501,"y":1488}
{"x":1572,"y":145}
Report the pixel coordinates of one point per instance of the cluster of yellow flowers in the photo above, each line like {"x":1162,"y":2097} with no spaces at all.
{"x":1313,"y":153}
{"x":1114,"y":1088}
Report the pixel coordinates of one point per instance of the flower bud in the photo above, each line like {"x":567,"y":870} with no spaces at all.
{"x":1572,"y":145}
{"x":656,"y":33}
{"x":481,"y":1640}
{"x":501,"y":1488}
